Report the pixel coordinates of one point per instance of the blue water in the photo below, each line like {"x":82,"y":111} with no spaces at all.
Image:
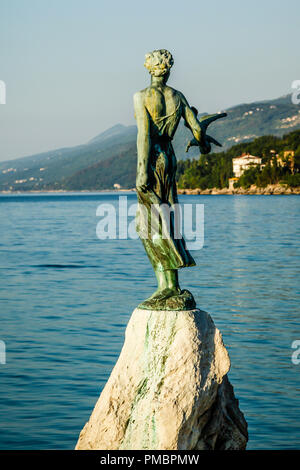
{"x":66,"y":297}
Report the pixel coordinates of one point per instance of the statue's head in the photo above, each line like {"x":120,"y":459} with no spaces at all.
{"x":159,"y":63}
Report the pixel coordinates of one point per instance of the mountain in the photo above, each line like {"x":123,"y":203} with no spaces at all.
{"x":118,"y":131}
{"x":48,"y":170}
{"x":110,"y":157}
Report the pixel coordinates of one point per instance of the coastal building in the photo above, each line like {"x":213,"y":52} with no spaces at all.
{"x":231,"y":182}
{"x":288,"y":159}
{"x":288,"y":153}
{"x":285,"y":159}
{"x":243,"y":162}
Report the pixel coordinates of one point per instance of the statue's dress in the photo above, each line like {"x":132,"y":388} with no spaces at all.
{"x":170,"y":252}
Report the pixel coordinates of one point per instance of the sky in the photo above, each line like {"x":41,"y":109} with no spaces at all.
{"x":71,"y":67}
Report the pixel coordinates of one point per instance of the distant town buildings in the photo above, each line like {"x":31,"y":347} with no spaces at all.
{"x":288,"y":153}
{"x":286,"y":159}
{"x":8,"y":170}
{"x":244,"y":162}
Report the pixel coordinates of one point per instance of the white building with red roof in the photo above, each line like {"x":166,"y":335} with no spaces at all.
{"x":244,"y":162}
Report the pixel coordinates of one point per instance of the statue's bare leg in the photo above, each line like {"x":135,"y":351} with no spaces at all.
{"x":172,"y":279}
{"x":168,"y":284}
{"x":162,"y":283}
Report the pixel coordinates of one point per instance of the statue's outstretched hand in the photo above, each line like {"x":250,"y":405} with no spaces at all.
{"x":207,"y":140}
{"x":205,"y":145}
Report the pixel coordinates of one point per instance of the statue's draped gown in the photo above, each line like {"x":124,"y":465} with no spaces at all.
{"x":165,"y":253}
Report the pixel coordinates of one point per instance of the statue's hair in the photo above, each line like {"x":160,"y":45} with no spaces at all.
{"x":159,"y":62}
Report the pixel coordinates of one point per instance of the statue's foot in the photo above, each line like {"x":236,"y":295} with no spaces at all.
{"x":165,"y":293}
{"x":157,"y":293}
{"x":169,"y":299}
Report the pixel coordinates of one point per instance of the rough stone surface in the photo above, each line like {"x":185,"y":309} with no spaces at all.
{"x":268,"y":190}
{"x":168,"y":389}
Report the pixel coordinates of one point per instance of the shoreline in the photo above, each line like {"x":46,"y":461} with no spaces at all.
{"x":275,"y":189}
{"x":67,"y":191}
{"x":271,"y":189}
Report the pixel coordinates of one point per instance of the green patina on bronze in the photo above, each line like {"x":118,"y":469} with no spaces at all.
{"x":158,"y":110}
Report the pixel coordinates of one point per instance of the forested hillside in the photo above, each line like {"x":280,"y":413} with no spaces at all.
{"x":214,"y":170}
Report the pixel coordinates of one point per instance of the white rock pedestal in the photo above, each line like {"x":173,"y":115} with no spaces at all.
{"x":168,"y":390}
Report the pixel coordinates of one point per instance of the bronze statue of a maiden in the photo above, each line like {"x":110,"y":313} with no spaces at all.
{"x":158,"y":110}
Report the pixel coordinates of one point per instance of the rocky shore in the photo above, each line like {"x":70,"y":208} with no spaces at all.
{"x":169,"y":389}
{"x":276,"y":189}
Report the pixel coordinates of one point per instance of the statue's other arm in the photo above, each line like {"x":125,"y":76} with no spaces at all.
{"x":191,"y":120}
{"x":143,"y":141}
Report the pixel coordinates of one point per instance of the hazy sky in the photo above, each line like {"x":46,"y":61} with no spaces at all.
{"x":72,"y":66}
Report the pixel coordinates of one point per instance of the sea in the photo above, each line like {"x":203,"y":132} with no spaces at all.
{"x":66,"y":297}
